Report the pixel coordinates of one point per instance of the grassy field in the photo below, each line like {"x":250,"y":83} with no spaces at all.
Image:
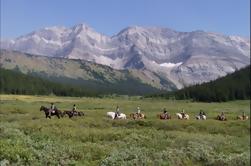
{"x":27,"y":138}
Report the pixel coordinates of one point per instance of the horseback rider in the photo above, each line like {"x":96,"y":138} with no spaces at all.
{"x":117,"y":112}
{"x":165,"y":113}
{"x":243,"y":115}
{"x":222,"y":115}
{"x":52,"y":109}
{"x":201,"y":113}
{"x":74,"y":109}
{"x":138,"y":112}
{"x":183,"y":113}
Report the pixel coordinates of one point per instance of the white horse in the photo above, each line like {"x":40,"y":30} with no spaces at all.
{"x":202,"y":117}
{"x":179,"y":116}
{"x":112,"y":115}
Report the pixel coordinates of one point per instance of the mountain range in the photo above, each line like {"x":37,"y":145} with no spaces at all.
{"x":172,"y":57}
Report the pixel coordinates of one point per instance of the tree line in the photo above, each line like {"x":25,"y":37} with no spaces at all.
{"x":235,"y":86}
{"x":15,"y":82}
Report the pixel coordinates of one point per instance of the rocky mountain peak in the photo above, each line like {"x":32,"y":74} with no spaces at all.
{"x":182,"y":57}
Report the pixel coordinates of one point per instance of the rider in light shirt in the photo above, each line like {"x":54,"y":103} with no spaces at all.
{"x":52,"y":109}
{"x":138,"y":111}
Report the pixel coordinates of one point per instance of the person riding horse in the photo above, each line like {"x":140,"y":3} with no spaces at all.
{"x":138,"y":112}
{"x":52,"y":109}
{"x":165,"y":113}
{"x":243,"y":115}
{"x":74,"y":110}
{"x":222,"y":115}
{"x":117,"y":112}
{"x":201,"y":113}
{"x":183,"y":113}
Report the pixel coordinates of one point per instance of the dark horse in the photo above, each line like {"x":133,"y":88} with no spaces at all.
{"x":163,"y":116}
{"x":56,"y":112}
{"x":71,"y":113}
{"x":221,"y":118}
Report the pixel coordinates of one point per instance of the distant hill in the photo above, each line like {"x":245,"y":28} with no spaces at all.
{"x":80,"y":72}
{"x":13,"y":82}
{"x":87,"y":75}
{"x":235,"y":86}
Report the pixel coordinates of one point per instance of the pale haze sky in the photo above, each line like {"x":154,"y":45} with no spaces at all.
{"x":230,"y":17}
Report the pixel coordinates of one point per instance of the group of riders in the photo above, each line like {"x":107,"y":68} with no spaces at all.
{"x":138,"y":112}
{"x":53,"y":108}
{"x":165,"y":113}
{"x":117,"y":112}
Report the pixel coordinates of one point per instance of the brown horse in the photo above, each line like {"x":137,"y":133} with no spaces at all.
{"x":241,"y":117}
{"x":221,"y":118}
{"x":71,"y":113}
{"x":137,"y":116}
{"x":56,"y":112}
{"x":163,"y":116}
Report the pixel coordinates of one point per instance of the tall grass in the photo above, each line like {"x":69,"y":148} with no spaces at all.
{"x":27,"y":138}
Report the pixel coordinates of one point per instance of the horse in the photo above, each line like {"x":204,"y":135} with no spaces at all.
{"x":112,"y":115}
{"x":163,"y":116}
{"x":201,"y":117}
{"x":137,"y":116}
{"x":221,"y":118}
{"x":71,"y":113}
{"x":241,"y":117}
{"x":56,"y":112}
{"x":179,"y":116}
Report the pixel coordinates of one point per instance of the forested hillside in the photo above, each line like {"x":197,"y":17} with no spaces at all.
{"x":14,"y":82}
{"x":235,"y":86}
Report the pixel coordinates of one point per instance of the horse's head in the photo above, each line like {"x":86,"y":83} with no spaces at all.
{"x":42,"y":108}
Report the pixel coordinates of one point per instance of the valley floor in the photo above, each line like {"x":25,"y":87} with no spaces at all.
{"x":27,"y":138}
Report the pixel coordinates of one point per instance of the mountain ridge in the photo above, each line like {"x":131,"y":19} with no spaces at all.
{"x":185,"y":58}
{"x":82,"y":73}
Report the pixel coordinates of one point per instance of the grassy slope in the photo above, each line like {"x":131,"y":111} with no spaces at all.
{"x":27,"y":138}
{"x":78,"y":72}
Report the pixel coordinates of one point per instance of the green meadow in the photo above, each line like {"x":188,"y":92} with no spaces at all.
{"x":27,"y":138}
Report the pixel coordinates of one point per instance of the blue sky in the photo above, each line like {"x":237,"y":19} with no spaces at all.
{"x":230,"y":17}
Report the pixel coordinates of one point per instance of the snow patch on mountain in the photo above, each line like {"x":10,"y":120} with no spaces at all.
{"x":170,"y":65}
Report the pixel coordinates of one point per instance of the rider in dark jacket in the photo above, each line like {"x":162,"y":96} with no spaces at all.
{"x":201,"y":113}
{"x":117,"y":113}
{"x":165,"y":113}
{"x":183,"y":113}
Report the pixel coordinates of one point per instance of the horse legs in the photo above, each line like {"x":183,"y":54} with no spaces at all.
{"x":47,"y":116}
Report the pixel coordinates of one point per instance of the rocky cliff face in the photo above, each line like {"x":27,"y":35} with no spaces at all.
{"x":183,"y":58}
